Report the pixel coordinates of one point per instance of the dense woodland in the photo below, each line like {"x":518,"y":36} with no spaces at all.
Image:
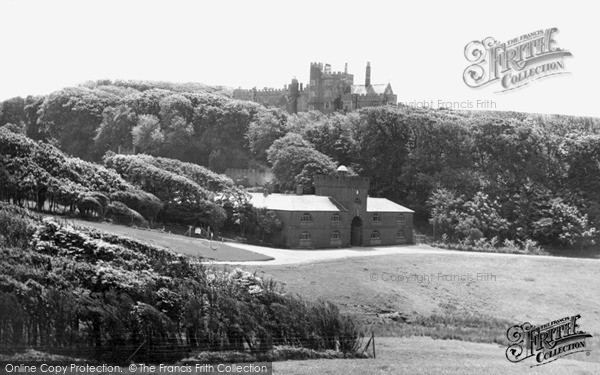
{"x":86,"y":294}
{"x":469,"y":176}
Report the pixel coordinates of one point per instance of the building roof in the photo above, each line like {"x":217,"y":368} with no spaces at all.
{"x":290,"y":202}
{"x":384,"y":205}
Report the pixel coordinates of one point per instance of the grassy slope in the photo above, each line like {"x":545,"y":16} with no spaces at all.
{"x":184,"y":245}
{"x":536,"y":289}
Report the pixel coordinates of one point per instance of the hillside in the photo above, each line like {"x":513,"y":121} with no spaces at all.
{"x":139,"y":190}
{"x":87,"y":294}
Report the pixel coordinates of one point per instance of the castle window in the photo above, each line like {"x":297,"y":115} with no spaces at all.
{"x":376,"y":218}
{"x":400,"y":220}
{"x":335,"y":219}
{"x":306,"y":218}
{"x":335,"y":235}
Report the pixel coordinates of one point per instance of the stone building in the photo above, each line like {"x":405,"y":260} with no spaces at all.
{"x":327,"y":92}
{"x":339,"y":214}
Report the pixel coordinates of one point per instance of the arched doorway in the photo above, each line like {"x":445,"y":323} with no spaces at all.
{"x":356,"y":232}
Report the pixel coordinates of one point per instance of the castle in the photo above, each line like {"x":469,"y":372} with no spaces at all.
{"x":327,"y":92}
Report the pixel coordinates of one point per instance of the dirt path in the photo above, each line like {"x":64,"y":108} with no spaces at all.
{"x":287,"y":256}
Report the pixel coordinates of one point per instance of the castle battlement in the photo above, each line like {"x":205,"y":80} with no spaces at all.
{"x":327,"y":91}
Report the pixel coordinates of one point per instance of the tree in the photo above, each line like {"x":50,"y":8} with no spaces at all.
{"x":71,"y":116}
{"x":12,"y":111}
{"x":294,"y":161}
{"x":264,"y":130}
{"x":115,"y":129}
{"x":147,"y":135}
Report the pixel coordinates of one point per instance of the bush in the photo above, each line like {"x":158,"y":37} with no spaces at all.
{"x":122,"y":214}
{"x":148,"y":205}
{"x":88,"y":205}
{"x":17,"y":225}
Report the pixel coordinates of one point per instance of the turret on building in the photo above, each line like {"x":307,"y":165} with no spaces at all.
{"x":327,"y":91}
{"x":339,"y":214}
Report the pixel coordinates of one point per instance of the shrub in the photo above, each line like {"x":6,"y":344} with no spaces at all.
{"x":122,"y":214}
{"x":17,"y":225}
{"x":148,"y":205}
{"x":89,"y":205}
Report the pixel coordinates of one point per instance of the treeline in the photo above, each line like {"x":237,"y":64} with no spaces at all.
{"x":86,"y":294}
{"x":155,"y":118}
{"x":468,"y":175}
{"x":540,"y":172}
{"x":37,"y":172}
{"x":129,"y":189}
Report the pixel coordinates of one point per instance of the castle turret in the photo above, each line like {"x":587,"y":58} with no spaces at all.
{"x":368,"y":75}
{"x":294,"y":95}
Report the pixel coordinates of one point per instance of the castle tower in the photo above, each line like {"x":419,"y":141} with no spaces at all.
{"x":294,"y":93}
{"x":315,"y":94}
{"x":368,"y":75}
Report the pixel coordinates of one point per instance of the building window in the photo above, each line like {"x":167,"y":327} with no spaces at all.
{"x":400,"y":236}
{"x":400,"y":220}
{"x":336,"y":238}
{"x":306,"y":218}
{"x":335,"y":219}
{"x":376,"y":218}
{"x":305,"y":239}
{"x":375,"y":238}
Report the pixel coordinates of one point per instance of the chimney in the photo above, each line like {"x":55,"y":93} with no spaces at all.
{"x":346,"y":68}
{"x":299,"y":189}
{"x":368,"y":75}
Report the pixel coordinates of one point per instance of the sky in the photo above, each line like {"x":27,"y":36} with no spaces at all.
{"x":417,"y":46}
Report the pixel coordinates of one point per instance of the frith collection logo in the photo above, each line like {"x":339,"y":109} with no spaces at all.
{"x":514,"y":63}
{"x":547,"y":342}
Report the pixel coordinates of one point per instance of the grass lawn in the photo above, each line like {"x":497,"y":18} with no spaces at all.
{"x":423,"y":355}
{"x":510,"y":287}
{"x":423,"y":295}
{"x":186,"y":245}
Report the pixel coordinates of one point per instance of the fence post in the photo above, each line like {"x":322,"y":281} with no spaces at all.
{"x":373,"y":338}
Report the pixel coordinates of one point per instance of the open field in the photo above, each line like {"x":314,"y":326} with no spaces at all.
{"x":510,"y":287}
{"x":423,"y":355}
{"x":191,"y":246}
